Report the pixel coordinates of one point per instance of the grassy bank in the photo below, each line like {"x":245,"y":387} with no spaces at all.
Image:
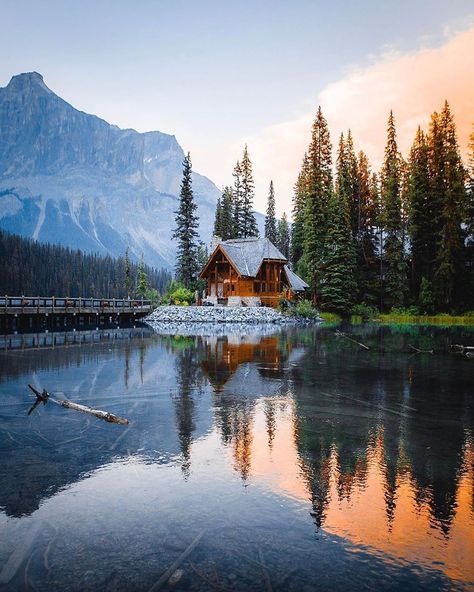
{"x":440,"y":319}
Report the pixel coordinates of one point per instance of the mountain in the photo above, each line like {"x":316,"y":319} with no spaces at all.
{"x":71,"y":178}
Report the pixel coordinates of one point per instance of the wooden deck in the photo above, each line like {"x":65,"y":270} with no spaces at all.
{"x":25,"y":313}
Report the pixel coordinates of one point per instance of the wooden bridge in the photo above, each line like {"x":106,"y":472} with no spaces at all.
{"x":25,"y":313}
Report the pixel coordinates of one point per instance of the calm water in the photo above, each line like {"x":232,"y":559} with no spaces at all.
{"x":294,"y":461}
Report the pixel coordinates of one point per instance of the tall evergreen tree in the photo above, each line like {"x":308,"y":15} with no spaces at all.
{"x":127,"y":275}
{"x":186,"y":268}
{"x":237,"y":209}
{"x":470,"y":225}
{"x":283,"y":236}
{"x":299,"y":200}
{"x":320,"y":190}
{"x":449,"y":190}
{"x":420,"y":227}
{"x":142,"y":279}
{"x":366,"y":243}
{"x":226,"y":214}
{"x":217,"y":231}
{"x":270,"y":221}
{"x":248,"y":226}
{"x":395,"y":284}
{"x":337,"y":285}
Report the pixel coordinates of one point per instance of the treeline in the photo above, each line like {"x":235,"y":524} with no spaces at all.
{"x":37,"y":269}
{"x":401,"y":238}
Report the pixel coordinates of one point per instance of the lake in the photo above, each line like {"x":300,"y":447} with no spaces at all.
{"x":255,"y":459}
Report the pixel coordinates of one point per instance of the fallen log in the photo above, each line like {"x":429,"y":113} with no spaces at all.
{"x":420,"y":351}
{"x":340,"y":334}
{"x":44,"y":397}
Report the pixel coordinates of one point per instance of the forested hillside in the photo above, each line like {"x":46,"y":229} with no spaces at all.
{"x":38,"y":269}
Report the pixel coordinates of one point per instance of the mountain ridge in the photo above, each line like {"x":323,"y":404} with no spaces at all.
{"x":72,"y":178}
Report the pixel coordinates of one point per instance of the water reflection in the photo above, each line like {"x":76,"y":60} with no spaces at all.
{"x":372,"y":448}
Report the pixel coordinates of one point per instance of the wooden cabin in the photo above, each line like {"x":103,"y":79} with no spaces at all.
{"x":249,"y":272}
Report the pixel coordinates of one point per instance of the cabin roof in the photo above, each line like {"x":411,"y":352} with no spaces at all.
{"x":248,"y":254}
{"x":296,"y":283}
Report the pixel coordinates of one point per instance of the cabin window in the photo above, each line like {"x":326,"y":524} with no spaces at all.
{"x":256,"y":287}
{"x":264,"y":287}
{"x":272,"y":287}
{"x":233,"y":287}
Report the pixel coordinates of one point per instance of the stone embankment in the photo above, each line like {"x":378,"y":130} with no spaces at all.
{"x":219,"y":314}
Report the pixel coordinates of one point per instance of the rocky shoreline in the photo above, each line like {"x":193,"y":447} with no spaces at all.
{"x":220,"y":314}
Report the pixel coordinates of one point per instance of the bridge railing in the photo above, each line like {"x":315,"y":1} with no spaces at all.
{"x":33,"y":304}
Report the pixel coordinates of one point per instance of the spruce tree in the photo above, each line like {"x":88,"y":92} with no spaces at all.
{"x":248,"y":226}
{"x":420,"y":226}
{"x":283,"y":236}
{"x":217,"y":231}
{"x":186,"y":268}
{"x":299,"y":200}
{"x":395,"y":284}
{"x":469,"y":223}
{"x":237,"y":212}
{"x":366,"y":243}
{"x":142,"y":279}
{"x":448,"y":280}
{"x":320,"y":190}
{"x":226,"y":214}
{"x":127,"y":278}
{"x":337,"y":283}
{"x":270,"y":221}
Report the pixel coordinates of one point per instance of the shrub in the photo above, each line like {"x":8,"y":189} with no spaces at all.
{"x":304,"y":308}
{"x":178,"y":294}
{"x":409,"y":311}
{"x":365,"y":311}
{"x":426,"y":297}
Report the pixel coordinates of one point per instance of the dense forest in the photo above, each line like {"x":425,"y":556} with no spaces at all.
{"x":399,"y":238}
{"x":36,"y":269}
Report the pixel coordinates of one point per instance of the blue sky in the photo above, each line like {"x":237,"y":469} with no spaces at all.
{"x":214,"y":73}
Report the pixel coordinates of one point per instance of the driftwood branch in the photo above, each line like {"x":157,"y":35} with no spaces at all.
{"x":44,"y":397}
{"x":341,"y":334}
{"x":463,"y":350}
{"x":174,"y":566}
{"x":420,"y":351}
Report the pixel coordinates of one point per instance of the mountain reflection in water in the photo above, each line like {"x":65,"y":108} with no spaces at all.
{"x":336,"y":465}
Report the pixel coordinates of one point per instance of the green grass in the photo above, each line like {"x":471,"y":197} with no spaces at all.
{"x":330,"y":317}
{"x":440,"y":319}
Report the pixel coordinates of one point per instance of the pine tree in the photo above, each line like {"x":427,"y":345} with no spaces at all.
{"x":283,"y":236}
{"x":142,"y":279}
{"x":395,"y":272}
{"x":127,"y":277}
{"x":186,"y":230}
{"x":420,"y":226}
{"x":320,"y":190}
{"x":337,"y":282}
{"x":299,"y":200}
{"x":237,"y":208}
{"x":270,"y":221}
{"x":366,"y":245}
{"x":469,"y":251}
{"x":248,"y":222}
{"x":226,"y":214}
{"x":218,"y":219}
{"x":448,"y":280}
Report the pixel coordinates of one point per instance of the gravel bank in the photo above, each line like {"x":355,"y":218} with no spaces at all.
{"x":218,"y":314}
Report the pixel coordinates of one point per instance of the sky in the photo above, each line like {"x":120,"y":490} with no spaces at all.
{"x":219,"y":74}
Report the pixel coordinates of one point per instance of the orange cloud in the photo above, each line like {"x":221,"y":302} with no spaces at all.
{"x":413,"y":85}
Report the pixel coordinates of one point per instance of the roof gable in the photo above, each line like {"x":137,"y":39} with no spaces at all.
{"x":248,"y":254}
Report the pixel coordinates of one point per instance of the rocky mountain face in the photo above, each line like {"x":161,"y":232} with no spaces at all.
{"x":71,"y":178}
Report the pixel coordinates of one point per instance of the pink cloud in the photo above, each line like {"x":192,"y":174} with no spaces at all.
{"x":413,"y":85}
